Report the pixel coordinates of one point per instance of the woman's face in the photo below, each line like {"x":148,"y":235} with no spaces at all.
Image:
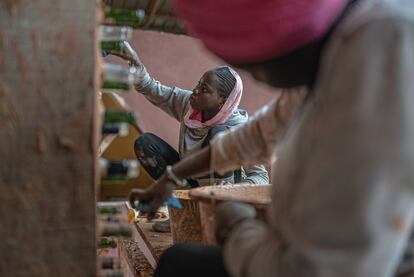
{"x":205,"y":95}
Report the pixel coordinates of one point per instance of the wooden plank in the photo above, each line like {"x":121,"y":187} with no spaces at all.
{"x":48,"y":140}
{"x":133,"y":255}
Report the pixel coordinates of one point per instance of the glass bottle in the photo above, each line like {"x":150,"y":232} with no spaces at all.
{"x":116,"y":116}
{"x":107,"y":243}
{"x":109,"y":210}
{"x":121,"y":129}
{"x":117,"y":77}
{"x":119,"y":170}
{"x":115,"y":33}
{"x":113,"y":37}
{"x":125,"y":17}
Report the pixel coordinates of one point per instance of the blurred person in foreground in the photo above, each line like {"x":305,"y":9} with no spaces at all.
{"x":343,"y":185}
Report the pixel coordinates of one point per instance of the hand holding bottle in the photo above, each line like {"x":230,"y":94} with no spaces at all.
{"x":150,"y":199}
{"x":128,"y":54}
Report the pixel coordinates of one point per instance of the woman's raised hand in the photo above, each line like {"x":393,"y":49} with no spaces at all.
{"x":129,"y":54}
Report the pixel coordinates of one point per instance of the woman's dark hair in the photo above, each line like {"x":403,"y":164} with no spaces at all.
{"x":226,"y":81}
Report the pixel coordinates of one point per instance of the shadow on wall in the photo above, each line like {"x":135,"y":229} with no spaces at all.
{"x":177,"y":60}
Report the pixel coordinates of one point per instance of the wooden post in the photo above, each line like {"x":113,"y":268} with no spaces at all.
{"x":48,"y":82}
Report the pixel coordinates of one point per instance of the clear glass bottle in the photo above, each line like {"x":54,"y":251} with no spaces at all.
{"x":115,"y":33}
{"x":117,"y":77}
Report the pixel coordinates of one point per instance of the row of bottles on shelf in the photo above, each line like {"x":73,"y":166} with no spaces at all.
{"x":119,"y":78}
{"x":118,"y":122}
{"x":113,"y":224}
{"x":113,"y":220}
{"x":116,"y":78}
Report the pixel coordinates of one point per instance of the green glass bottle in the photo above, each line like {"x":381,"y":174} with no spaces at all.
{"x":112,"y":46}
{"x":109,"y":210}
{"x":107,"y":243}
{"x":114,"y":85}
{"x":125,"y":17}
{"x":115,"y":116}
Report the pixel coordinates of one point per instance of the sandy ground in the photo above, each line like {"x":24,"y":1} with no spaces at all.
{"x":136,"y":260}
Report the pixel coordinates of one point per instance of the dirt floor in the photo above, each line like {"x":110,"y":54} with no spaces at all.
{"x":136,"y":260}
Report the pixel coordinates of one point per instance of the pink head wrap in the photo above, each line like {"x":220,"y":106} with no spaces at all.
{"x":193,"y":118}
{"x":243,"y":31}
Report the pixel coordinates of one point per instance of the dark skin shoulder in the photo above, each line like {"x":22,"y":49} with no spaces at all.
{"x":296,"y":68}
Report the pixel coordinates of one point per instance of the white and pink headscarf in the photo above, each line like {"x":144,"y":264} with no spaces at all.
{"x":193,"y":118}
{"x":244,"y":31}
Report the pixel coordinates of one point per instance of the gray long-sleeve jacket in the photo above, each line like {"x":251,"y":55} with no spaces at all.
{"x":175,"y":102}
{"x":343,"y":183}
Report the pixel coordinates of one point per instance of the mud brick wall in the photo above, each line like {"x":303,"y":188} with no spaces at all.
{"x":48,"y":77}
